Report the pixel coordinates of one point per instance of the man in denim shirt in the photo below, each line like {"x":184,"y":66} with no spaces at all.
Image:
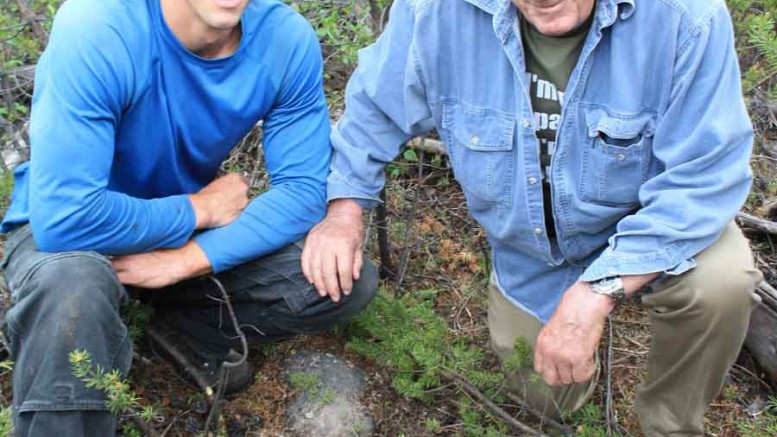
{"x":648,"y":169}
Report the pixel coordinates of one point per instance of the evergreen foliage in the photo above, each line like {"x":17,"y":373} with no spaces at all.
{"x":754,"y":22}
{"x":121,"y":399}
{"x":6,"y":421}
{"x":23,"y":30}
{"x":763,"y":425}
{"x":408,"y":336}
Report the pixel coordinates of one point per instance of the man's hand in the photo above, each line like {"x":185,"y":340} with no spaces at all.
{"x":221,"y":201}
{"x":332,"y":258}
{"x":160,"y":268}
{"x":565,"y":348}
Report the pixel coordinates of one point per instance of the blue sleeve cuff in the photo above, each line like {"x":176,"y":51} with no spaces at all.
{"x":612,"y":263}
{"x":339,"y":188}
{"x":210,"y":248}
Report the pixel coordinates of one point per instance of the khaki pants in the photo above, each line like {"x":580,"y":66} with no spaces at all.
{"x":699,"y":320}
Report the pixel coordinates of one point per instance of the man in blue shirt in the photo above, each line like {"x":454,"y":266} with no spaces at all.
{"x":634,"y":190}
{"x":136,"y":105}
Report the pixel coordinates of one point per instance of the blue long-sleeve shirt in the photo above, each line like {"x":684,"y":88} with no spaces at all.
{"x":126,"y":122}
{"x":651,"y":159}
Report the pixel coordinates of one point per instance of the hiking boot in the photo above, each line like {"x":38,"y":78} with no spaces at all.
{"x":209,"y":369}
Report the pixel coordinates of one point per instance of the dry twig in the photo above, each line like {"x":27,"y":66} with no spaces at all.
{"x":226,"y":366}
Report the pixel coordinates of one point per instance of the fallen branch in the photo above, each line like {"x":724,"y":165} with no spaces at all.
{"x":199,"y":378}
{"x":144,"y":426}
{"x":563,"y":429}
{"x":768,"y":295}
{"x":759,"y":224}
{"x":504,"y":415}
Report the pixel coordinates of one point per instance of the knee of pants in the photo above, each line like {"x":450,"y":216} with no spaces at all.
{"x":69,"y":302}
{"x":366,"y":287}
{"x":364,"y":290}
{"x":726,"y":295}
{"x":67,"y":288}
{"x":713,"y":290}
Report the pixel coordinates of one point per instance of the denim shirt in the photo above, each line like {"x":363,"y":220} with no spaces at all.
{"x":653,"y":146}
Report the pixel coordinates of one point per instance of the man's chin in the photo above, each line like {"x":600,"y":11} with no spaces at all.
{"x":557,"y":29}
{"x":224,"y":22}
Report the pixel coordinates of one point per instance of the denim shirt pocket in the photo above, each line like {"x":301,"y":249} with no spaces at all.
{"x":480,"y":145}
{"x":616,"y":157}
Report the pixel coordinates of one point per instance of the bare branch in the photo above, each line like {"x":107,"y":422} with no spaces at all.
{"x":199,"y":378}
{"x":759,"y":224}
{"x":504,"y":415}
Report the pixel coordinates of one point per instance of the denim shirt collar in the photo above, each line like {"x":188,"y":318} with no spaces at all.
{"x":505,"y":12}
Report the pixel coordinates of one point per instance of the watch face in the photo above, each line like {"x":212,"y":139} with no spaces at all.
{"x":608,"y":285}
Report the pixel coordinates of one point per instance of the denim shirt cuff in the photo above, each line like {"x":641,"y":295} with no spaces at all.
{"x":363,"y":203}
{"x":339,"y":188}
{"x":612,"y":263}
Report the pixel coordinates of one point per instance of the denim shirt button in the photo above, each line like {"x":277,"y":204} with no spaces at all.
{"x":621,"y":157}
{"x":526,"y":123}
{"x":474,"y":140}
{"x":537,"y":231}
{"x":532,"y":180}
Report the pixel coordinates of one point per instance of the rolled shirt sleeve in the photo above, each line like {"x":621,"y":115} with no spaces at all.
{"x":385,"y":107}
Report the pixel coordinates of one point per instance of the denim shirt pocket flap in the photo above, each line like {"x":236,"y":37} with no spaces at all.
{"x":480,"y":129}
{"x":616,"y":161}
{"x":620,"y":131}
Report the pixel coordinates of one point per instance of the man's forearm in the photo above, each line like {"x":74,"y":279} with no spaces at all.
{"x":110,"y":222}
{"x":161,"y":268}
{"x":634,"y":283}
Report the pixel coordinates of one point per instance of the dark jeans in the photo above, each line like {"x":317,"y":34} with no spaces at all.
{"x":67,"y":301}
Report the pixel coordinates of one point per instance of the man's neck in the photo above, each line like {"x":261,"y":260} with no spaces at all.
{"x":196,"y":35}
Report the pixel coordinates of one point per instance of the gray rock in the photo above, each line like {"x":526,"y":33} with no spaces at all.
{"x":327,"y":403}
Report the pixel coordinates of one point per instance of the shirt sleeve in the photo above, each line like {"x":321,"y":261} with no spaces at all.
{"x":297,"y":154}
{"x":84,"y":81}
{"x":704,"y":140}
{"x":385,"y":106}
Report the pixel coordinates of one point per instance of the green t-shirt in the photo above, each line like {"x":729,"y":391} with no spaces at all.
{"x":549,"y":64}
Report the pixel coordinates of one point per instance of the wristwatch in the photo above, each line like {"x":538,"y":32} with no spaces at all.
{"x":611,"y":287}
